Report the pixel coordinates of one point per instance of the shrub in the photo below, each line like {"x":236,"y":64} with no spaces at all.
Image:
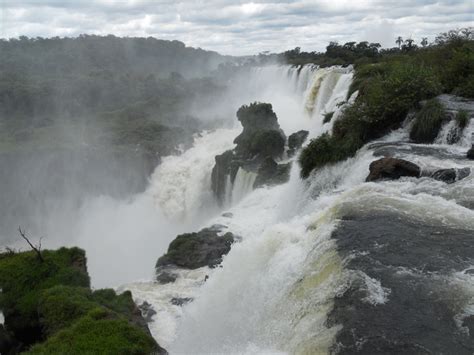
{"x":99,"y":332}
{"x":462,"y":118}
{"x":428,"y":122}
{"x":327,"y":149}
{"x":22,"y":279}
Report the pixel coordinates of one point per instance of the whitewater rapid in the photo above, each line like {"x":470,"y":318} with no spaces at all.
{"x":280,"y":287}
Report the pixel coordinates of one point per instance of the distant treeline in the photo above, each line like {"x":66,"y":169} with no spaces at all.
{"x":90,"y":53}
{"x":364,"y":52}
{"x":99,"y":79}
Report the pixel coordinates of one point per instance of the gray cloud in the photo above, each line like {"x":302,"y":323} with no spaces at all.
{"x":238,"y":27}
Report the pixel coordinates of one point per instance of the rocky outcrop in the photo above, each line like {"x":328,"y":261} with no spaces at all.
{"x":295,"y":141}
{"x":272,"y":173}
{"x":258,"y":147}
{"x":195,"y":250}
{"x":391,"y":169}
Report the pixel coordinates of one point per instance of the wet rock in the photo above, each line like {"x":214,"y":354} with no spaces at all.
{"x":470,"y":153}
{"x":147,"y":311}
{"x":220,"y":171}
{"x":468,"y":323}
{"x":177,"y":301}
{"x":454,"y":135}
{"x":227,"y":215}
{"x":450,"y":176}
{"x":261,"y":138}
{"x":406,"y":264}
{"x":195,"y":250}
{"x":165,"y":276}
{"x":8,"y":345}
{"x":391,"y":169}
{"x":272,"y":173}
{"x":296,"y":140}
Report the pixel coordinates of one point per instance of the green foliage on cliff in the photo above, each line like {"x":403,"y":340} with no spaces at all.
{"x":49,"y":303}
{"x":427,"y":122}
{"x":98,"y":332}
{"x":23,"y":277}
{"x":391,"y":84}
{"x":386,"y":93}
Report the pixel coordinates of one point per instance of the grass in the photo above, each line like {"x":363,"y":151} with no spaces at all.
{"x":98,"y":332}
{"x":49,"y":304}
{"x":428,"y":122}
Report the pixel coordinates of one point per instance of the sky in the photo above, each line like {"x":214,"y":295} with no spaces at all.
{"x":239,"y":27}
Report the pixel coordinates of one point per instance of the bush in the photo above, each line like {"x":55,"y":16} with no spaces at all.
{"x":428,"y":122}
{"x":22,"y":279}
{"x":327,"y":149}
{"x":462,"y":118}
{"x":99,"y":332}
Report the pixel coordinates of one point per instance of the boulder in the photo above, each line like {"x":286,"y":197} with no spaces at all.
{"x":166,"y":276}
{"x":296,"y":140}
{"x":389,"y":168}
{"x":450,"y":176}
{"x":147,"y":311}
{"x":180,"y":301}
{"x":470,"y":153}
{"x":195,"y":250}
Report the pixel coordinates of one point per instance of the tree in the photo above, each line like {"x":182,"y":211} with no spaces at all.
{"x":424,"y":42}
{"x":36,"y":249}
{"x":399,"y":41}
{"x":408,"y":46}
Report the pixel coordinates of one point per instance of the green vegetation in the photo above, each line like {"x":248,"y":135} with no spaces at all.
{"x":389,"y":87}
{"x":22,"y":279}
{"x":427,"y":122}
{"x":49,"y":303}
{"x":98,"y":332}
{"x":462,"y":118}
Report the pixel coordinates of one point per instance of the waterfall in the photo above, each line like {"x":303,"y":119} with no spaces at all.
{"x":308,"y":246}
{"x":243,"y":184}
{"x":181,"y":185}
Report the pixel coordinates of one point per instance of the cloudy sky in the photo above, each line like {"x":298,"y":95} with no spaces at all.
{"x":239,"y":27}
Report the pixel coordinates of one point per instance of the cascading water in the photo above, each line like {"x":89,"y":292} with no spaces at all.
{"x":307,"y":246}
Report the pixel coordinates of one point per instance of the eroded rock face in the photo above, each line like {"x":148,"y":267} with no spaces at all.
{"x":260,"y":142}
{"x":391,"y":169}
{"x":195,"y":250}
{"x":296,"y":140}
